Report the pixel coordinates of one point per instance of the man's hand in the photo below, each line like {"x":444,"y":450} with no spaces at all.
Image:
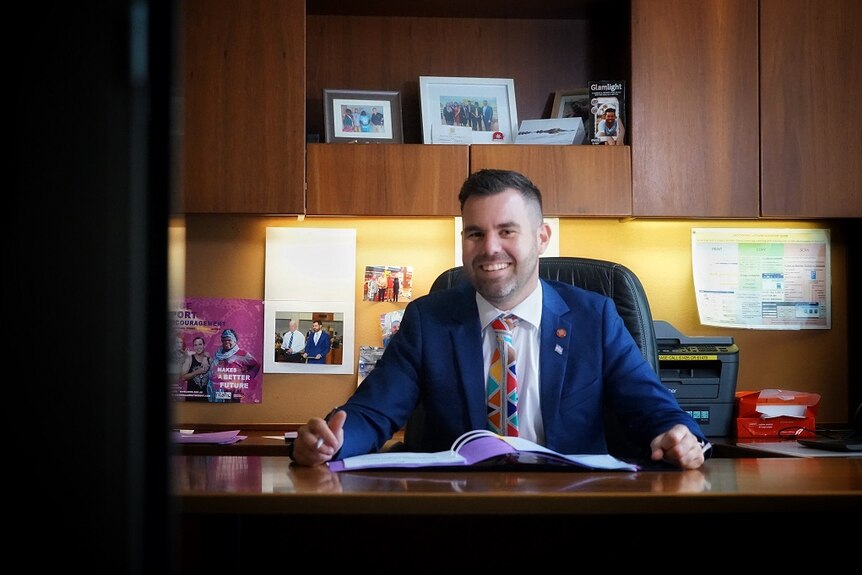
{"x":678,"y":446}
{"x":316,"y":441}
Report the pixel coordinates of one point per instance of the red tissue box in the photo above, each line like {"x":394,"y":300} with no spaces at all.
{"x":767,"y":412}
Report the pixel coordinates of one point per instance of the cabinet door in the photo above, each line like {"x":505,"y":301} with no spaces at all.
{"x":811,"y":103}
{"x":574,"y":180}
{"x":385,"y":179}
{"x":243,"y":145}
{"x":694,"y":101}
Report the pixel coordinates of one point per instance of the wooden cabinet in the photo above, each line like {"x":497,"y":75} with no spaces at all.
{"x":243,"y":140}
{"x":694,"y":108}
{"x":387,"y":45}
{"x":423,"y":180}
{"x":574,"y":180}
{"x":385,"y":179}
{"x":811,"y":103}
{"x":730,"y":104}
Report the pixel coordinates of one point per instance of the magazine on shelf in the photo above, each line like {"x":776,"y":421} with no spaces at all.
{"x":485,"y":449}
{"x":607,"y":95}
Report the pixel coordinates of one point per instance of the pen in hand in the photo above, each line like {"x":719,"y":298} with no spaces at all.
{"x":332,"y":411}
{"x":326,"y":418}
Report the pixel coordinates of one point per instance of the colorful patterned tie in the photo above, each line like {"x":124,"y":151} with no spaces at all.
{"x":502,"y":379}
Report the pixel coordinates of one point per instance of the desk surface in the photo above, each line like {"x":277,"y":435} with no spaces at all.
{"x":268,"y":441}
{"x":259,"y":485}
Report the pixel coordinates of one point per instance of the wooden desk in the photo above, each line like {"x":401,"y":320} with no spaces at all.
{"x":271,"y":485}
{"x":266,"y":503}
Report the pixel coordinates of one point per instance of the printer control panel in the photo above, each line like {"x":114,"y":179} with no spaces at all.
{"x":697,"y":349}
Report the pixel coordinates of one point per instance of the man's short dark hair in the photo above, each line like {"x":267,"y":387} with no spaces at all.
{"x":491,"y":182}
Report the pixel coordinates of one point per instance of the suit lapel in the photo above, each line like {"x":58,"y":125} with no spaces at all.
{"x":466,"y":341}
{"x":554,"y":351}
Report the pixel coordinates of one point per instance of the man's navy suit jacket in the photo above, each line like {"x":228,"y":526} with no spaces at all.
{"x":322,"y":347}
{"x":587,"y":357}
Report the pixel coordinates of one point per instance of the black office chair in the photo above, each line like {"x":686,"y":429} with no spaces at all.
{"x":608,"y":278}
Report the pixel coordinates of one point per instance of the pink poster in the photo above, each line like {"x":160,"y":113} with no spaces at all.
{"x":217,"y":350}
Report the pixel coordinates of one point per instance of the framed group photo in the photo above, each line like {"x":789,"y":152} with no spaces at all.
{"x":362,"y":116}
{"x":468,"y":110}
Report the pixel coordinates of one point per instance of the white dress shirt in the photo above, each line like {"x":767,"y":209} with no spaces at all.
{"x":298,"y":344}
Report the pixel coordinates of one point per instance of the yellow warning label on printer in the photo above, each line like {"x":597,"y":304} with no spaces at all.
{"x":688,"y":357}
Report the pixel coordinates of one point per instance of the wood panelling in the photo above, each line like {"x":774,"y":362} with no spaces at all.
{"x":244,"y":106}
{"x":554,"y":9}
{"x":811,"y":101}
{"x":694,"y":108}
{"x":385,"y":179}
{"x":574,"y":180}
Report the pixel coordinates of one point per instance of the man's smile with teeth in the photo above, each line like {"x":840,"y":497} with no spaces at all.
{"x":495,"y":267}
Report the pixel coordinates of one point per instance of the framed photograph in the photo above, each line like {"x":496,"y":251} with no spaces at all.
{"x":362,"y":116}
{"x":288,"y":330}
{"x":468,"y":110}
{"x":572,"y":104}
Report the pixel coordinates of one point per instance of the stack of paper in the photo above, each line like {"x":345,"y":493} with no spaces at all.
{"x":214,"y":437}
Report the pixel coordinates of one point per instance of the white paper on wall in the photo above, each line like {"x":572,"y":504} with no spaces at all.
{"x":763,"y":278}
{"x":309,"y":271}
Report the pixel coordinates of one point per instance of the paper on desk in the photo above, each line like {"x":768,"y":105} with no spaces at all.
{"x":287,"y":435}
{"x":770,"y":411}
{"x":785,"y":403}
{"x":794,"y":449}
{"x":214,"y":437}
{"x":403,"y":459}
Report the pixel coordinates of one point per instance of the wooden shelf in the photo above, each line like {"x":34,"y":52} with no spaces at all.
{"x":714,"y":128}
{"x":574,"y":180}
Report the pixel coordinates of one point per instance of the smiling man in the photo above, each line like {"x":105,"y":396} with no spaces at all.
{"x":508,"y":352}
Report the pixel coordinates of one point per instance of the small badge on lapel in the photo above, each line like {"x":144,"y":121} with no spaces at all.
{"x":559,"y":349}
{"x":561,"y":332}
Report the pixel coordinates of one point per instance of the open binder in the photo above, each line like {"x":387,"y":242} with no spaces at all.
{"x":482,"y":449}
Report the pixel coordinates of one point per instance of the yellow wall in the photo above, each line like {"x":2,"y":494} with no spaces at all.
{"x":224,"y":257}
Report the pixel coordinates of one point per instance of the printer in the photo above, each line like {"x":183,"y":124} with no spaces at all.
{"x":701,"y":373}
